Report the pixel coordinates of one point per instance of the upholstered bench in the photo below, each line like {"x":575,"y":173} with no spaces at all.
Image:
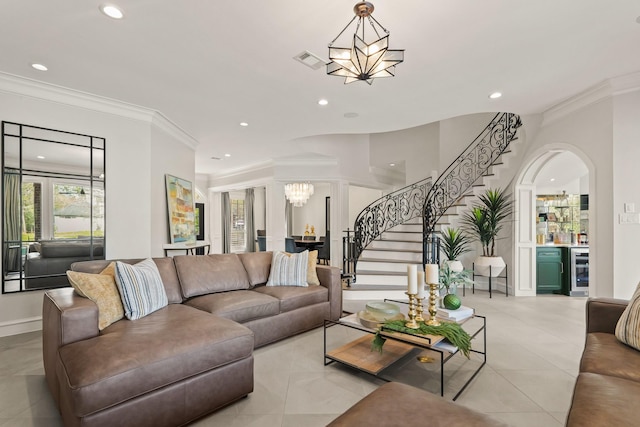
{"x":395,"y":404}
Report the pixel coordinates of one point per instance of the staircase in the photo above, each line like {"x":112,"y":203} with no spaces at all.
{"x":380,"y":250}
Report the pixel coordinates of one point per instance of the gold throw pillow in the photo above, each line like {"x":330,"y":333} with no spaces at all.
{"x":628,"y":327}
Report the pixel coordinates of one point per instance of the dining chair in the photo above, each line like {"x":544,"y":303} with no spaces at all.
{"x":296,"y":237}
{"x":308,"y":237}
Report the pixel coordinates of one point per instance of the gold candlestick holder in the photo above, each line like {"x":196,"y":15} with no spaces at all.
{"x":411,"y":323}
{"x":419,"y":310}
{"x":432,"y":305}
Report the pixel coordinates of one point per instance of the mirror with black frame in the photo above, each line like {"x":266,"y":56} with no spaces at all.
{"x":53,"y":205}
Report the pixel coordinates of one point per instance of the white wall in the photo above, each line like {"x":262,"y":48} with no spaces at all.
{"x":626,"y":152}
{"x":360,"y":198}
{"x":136,"y":206}
{"x":418,"y":148}
{"x":312,"y":212}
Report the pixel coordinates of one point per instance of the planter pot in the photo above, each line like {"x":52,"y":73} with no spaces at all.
{"x":455,"y":265}
{"x":483,"y":264}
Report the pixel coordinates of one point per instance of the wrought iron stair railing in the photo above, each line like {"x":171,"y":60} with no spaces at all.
{"x":456,"y":181}
{"x":383,"y":214}
{"x":430,"y":200}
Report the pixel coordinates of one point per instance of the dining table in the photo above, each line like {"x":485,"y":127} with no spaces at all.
{"x":309,"y":244}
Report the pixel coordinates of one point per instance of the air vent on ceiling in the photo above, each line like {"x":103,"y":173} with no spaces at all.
{"x":310,"y":60}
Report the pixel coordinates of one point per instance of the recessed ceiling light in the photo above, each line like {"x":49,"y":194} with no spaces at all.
{"x":227,"y":155}
{"x":323,"y":102}
{"x":40,"y":157}
{"x":495,"y":95}
{"x":245,"y":124}
{"x":392,"y":164}
{"x":552,"y":179}
{"x":39,"y":67}
{"x":112,"y":11}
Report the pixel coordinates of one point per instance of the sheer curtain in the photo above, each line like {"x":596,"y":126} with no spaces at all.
{"x":249,"y":228}
{"x":226,"y":223}
{"x":12,"y":221}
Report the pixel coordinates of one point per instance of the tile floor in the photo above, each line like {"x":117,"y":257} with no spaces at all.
{"x":534,"y":346}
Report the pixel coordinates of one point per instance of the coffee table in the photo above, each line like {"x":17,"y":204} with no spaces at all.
{"x":421,"y":361}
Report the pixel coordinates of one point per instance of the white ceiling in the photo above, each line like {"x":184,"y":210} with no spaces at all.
{"x":209,"y":65}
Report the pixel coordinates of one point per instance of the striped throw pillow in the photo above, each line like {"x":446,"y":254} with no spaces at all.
{"x":628,"y":327}
{"x":141,"y":288}
{"x":289,"y":269}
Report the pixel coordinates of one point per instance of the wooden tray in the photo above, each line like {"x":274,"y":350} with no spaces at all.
{"x":358,"y":353}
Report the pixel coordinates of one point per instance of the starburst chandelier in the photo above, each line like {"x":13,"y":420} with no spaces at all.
{"x":369,"y":56}
{"x":298,"y":193}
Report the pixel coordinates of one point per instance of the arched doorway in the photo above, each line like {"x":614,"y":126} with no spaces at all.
{"x":532,"y":175}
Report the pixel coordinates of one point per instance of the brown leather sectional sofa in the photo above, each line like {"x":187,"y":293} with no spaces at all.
{"x":607,"y":390}
{"x":184,"y":360}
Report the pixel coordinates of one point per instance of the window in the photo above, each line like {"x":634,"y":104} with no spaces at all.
{"x":237,"y":226}
{"x":72,"y":216}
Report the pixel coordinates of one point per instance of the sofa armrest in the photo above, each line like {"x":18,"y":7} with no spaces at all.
{"x":330,"y":278}
{"x":66,"y":318}
{"x":603,"y":314}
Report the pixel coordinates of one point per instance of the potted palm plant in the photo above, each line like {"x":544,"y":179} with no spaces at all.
{"x":484,"y":221}
{"x":454,"y":243}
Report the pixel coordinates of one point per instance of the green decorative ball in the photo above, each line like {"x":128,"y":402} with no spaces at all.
{"x":451,"y":302}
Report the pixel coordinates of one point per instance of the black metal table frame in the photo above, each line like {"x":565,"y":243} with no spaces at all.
{"x":473,"y":282}
{"x":427,"y":346}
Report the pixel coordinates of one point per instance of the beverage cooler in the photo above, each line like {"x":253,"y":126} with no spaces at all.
{"x":579,"y":271}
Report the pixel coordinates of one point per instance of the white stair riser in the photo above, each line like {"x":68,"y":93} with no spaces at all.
{"x":414,"y":228}
{"x":401,"y":236}
{"x":403,"y":256}
{"x":382,"y":244}
{"x":385,"y":266}
{"x":368,"y":279}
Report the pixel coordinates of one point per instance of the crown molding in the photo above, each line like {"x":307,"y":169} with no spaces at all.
{"x":603,"y":90}
{"x":23,"y":86}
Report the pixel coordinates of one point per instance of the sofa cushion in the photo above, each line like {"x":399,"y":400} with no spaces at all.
{"x":205,"y":274}
{"x":132,"y":358}
{"x":288,"y":269}
{"x":67,"y":249}
{"x":165,"y":266}
{"x":240,"y":306}
{"x":602,"y":400}
{"x":293,"y":297}
{"x":101,"y":289}
{"x":258,"y":266}
{"x":141,"y":288}
{"x":628,"y":326}
{"x":312,"y":275}
{"x":604,"y":354}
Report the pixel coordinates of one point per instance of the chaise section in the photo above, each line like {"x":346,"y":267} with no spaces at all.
{"x":93,"y":380}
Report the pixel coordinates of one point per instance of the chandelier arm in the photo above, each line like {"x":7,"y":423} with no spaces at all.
{"x":371,"y":21}
{"x":343,"y":30}
{"x":379,"y":24}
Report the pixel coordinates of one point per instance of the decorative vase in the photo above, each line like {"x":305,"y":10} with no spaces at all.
{"x":455,"y":265}
{"x":489,"y":265}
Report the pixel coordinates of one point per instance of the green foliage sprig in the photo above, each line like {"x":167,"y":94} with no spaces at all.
{"x":451,"y":331}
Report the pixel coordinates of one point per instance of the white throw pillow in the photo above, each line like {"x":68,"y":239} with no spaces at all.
{"x":141,"y":288}
{"x":289,"y":269}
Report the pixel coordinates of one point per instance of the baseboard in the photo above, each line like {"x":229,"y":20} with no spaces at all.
{"x":20,"y":326}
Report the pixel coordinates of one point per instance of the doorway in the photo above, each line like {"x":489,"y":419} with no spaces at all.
{"x":554,"y":171}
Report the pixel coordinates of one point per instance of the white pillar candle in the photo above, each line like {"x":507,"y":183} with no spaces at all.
{"x":412,"y":277}
{"x":431,"y":272}
{"x":420,"y":284}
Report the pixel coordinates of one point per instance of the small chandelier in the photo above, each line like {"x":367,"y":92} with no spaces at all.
{"x":298,"y":193}
{"x":364,"y":61}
